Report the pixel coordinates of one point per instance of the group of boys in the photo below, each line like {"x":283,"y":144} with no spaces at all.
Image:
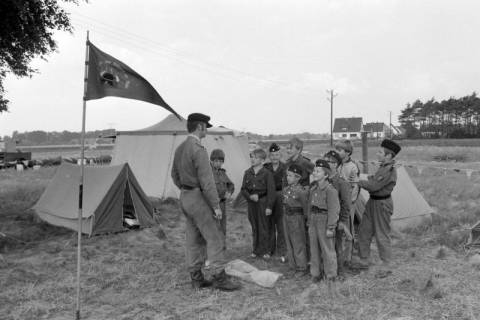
{"x":300,"y":211}
{"x":305,"y":211}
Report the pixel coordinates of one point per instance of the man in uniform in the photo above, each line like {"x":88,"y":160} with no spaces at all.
{"x":278,"y":170}
{"x":192,"y":173}
{"x":379,"y":208}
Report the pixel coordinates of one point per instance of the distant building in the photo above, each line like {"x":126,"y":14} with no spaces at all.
{"x":347,"y":128}
{"x":376,"y":130}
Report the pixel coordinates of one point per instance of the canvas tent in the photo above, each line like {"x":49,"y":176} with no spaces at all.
{"x":111,"y":193}
{"x":150,"y":151}
{"x":409,"y":206}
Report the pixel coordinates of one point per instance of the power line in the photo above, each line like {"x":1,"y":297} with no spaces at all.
{"x":146,"y":44}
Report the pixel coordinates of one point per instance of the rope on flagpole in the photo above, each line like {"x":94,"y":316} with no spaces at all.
{"x":82,"y":178}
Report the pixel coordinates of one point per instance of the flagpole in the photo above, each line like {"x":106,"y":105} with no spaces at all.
{"x":80,"y":189}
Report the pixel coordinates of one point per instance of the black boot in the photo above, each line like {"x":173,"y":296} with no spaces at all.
{"x":221,"y":282}
{"x":199,"y":281}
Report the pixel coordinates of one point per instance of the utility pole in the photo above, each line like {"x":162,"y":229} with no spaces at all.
{"x":391,"y":125}
{"x":332,"y":95}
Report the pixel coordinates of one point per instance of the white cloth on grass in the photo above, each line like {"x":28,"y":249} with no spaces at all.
{"x":243,"y":270}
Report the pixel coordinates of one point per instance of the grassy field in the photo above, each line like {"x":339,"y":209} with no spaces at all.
{"x":141,"y":274}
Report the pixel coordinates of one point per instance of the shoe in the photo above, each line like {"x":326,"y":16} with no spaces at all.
{"x":223,"y":283}
{"x":300,"y":274}
{"x":283,"y":259}
{"x":361,"y":265}
{"x":199,"y":281}
{"x":290,"y":274}
{"x":266,"y":256}
{"x":253,"y":255}
{"x":383,"y":274}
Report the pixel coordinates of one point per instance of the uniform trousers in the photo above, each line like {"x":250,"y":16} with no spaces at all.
{"x":322,"y":248}
{"x":295,"y":240}
{"x":278,"y":225}
{"x":376,"y":223}
{"x":263,"y":240}
{"x":203,"y":233}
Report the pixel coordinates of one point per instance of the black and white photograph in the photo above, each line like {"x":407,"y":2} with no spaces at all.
{"x":236,"y":160}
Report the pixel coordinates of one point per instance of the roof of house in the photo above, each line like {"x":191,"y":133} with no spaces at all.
{"x":373,"y":127}
{"x":347,"y":125}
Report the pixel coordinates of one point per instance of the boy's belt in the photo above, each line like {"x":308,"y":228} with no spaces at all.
{"x":293,"y":211}
{"x":260,"y":195}
{"x":185,"y":187}
{"x":379,"y":197}
{"x":317,"y":210}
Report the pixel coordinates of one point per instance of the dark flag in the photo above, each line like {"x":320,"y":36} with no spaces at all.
{"x":108,"y":76}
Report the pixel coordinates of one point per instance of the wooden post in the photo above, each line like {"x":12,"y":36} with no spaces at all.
{"x":365,"y":152}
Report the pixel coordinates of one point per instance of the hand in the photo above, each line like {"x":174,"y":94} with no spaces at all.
{"x":268,"y":212}
{"x":228,"y":195}
{"x":343,"y":227}
{"x":254,"y":197}
{"x":218,"y":214}
{"x":330,"y":233}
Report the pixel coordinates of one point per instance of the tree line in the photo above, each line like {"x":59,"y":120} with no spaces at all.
{"x":451,"y":118}
{"x":38,"y":137}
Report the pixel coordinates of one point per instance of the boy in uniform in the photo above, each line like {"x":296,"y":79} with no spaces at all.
{"x":258,"y":187}
{"x":344,"y":193}
{"x":349,"y":170}
{"x":323,"y":211}
{"x":225,"y":186}
{"x":294,"y":152}
{"x":379,"y":208}
{"x":295,"y":205}
{"x":278,"y":169}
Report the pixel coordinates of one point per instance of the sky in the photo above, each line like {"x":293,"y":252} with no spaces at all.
{"x":259,"y":66}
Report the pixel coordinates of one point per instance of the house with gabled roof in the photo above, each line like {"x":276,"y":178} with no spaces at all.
{"x":347,"y":128}
{"x":376,"y":130}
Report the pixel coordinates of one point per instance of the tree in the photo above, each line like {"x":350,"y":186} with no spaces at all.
{"x":26,"y":32}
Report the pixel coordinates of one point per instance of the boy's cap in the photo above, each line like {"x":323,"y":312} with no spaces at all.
{"x":332,"y":154}
{"x":295,"y":168}
{"x":274,"y":147}
{"x":391,"y":145}
{"x":217,"y":154}
{"x":347,"y":146}
{"x":322,"y":164}
{"x":199,"y":117}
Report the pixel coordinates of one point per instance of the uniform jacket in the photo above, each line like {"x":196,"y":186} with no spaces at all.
{"x":223,"y":182}
{"x":295,"y":196}
{"x":278,"y":175}
{"x":307,"y":167}
{"x":344,"y":194}
{"x":350,"y":172}
{"x":261,"y":183}
{"x":382,"y":182}
{"x":325,"y":197}
{"x":191,"y":167}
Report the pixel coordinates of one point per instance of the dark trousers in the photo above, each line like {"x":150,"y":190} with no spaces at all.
{"x":223,"y":221}
{"x":278,"y":231}
{"x":296,"y":240}
{"x":376,"y":223}
{"x":263,"y":240}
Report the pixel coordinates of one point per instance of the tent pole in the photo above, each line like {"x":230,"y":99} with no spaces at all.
{"x":80,"y":189}
{"x":169,"y":169}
